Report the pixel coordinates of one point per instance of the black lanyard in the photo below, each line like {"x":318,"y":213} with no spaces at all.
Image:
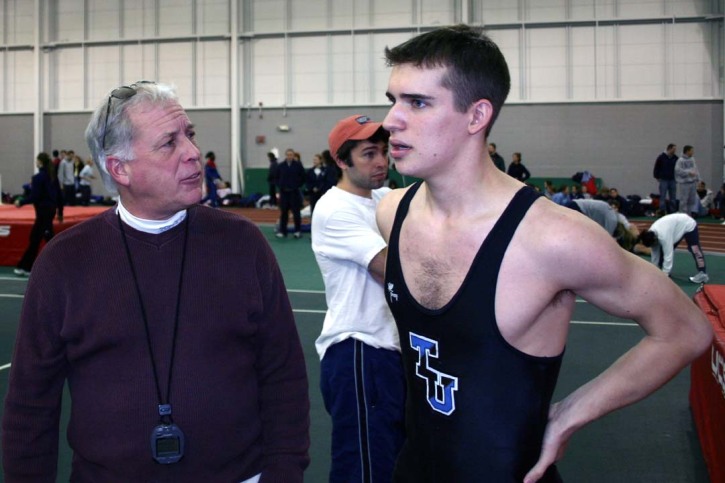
{"x":164,"y":407}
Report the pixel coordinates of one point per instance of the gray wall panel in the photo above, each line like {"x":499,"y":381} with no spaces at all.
{"x":617,"y":142}
{"x":16,"y":146}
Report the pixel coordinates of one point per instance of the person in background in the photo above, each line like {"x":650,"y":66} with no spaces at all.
{"x":464,"y":244}
{"x":177,"y":374}
{"x":562,"y":197}
{"x":56,"y":160}
{"x":496,"y":158}
{"x":272,"y":178}
{"x":211,"y":179}
{"x":334,"y":173}
{"x":46,"y":197}
{"x":361,"y":375}
{"x":664,"y":173}
{"x":664,"y":235}
{"x":87,"y":176}
{"x":687,"y":175}
{"x":316,"y":181}
{"x":705,"y":199}
{"x":517,"y":170}
{"x":67,"y":181}
{"x":290,"y":180}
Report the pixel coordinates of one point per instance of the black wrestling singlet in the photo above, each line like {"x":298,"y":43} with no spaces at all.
{"x":476,"y":407}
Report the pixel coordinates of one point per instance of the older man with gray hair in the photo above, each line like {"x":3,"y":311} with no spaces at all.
{"x":170,"y":379}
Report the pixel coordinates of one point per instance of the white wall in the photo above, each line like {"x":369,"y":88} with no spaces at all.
{"x":329,"y":53}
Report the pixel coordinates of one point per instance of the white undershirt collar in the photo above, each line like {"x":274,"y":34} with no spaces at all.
{"x":149,"y":226}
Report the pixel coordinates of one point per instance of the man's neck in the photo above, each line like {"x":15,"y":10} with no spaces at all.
{"x":149,"y":226}
{"x":346,"y":185}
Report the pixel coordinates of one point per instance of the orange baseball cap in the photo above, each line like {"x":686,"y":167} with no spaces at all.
{"x":353,"y":128}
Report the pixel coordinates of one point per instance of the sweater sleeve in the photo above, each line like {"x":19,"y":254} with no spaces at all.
{"x":37,"y":375}
{"x":283,"y":389}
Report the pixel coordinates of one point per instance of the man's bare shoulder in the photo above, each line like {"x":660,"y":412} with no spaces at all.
{"x":560,"y":236}
{"x":385,"y":212}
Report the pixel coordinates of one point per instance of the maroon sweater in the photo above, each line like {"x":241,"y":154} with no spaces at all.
{"x":239,"y":389}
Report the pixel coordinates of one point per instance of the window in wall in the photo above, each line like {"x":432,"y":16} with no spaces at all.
{"x":496,"y":11}
{"x":68,"y":91}
{"x":213,"y":74}
{"x":138,"y":63}
{"x":341,"y":14}
{"x":582,"y":9}
{"x":388,"y":13}
{"x":546,"y":11}
{"x":104,"y":72}
{"x":362,"y":68}
{"x":607,"y":76}
{"x":17,"y":93}
{"x":308,"y":15}
{"x":308,"y":70}
{"x":509,"y":42}
{"x":546,"y":70}
{"x":583,"y":69}
{"x":176,"y":67}
{"x":18,"y":27}
{"x":103,"y":19}
{"x":694,"y":62}
{"x":381,"y":71}
{"x":342,"y":90}
{"x":642,"y":61}
{"x":268,"y":15}
{"x":212,"y":17}
{"x":139,"y":19}
{"x":690,"y":7}
{"x":437,"y":12}
{"x":175,"y":18}
{"x":268,"y":72}
{"x":68,"y":20}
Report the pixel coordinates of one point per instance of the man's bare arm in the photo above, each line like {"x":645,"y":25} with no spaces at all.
{"x":624,"y":285}
{"x":376,"y":267}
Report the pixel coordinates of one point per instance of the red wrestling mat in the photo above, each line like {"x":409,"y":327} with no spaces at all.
{"x":707,"y":387}
{"x":15,"y":225}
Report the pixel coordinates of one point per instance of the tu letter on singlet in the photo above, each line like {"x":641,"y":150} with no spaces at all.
{"x":440,"y":387}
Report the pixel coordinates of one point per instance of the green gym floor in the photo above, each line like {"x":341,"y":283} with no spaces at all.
{"x":653,"y":440}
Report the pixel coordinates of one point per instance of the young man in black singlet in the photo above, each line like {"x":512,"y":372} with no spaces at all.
{"x":483,"y":291}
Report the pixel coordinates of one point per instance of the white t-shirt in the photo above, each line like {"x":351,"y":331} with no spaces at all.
{"x":345,"y":238}
{"x":669,"y":230}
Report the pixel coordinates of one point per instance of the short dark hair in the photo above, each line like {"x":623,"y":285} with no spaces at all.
{"x":476,"y":68}
{"x":343,"y":154}
{"x":647,"y":238}
{"x":686,"y":148}
{"x":670,"y":146}
{"x":211,"y":155}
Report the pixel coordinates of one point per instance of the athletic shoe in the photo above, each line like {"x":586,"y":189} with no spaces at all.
{"x":298,"y":234}
{"x":701,"y":277}
{"x":20,"y":272}
{"x":280,"y":235}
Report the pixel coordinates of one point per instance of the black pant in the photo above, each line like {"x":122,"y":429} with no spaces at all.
{"x":273,"y":195}
{"x":290,"y":200}
{"x":42,"y":229}
{"x":69,"y":194}
{"x":85,"y":194}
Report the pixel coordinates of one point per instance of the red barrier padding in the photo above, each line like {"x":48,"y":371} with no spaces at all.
{"x":707,"y":385}
{"x":16,"y":223}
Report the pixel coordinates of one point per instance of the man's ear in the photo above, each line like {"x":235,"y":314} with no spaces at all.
{"x":481,"y":114}
{"x":341,"y":164}
{"x":118,"y":169}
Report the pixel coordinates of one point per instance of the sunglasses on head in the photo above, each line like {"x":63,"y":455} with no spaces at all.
{"x":121,"y":93}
